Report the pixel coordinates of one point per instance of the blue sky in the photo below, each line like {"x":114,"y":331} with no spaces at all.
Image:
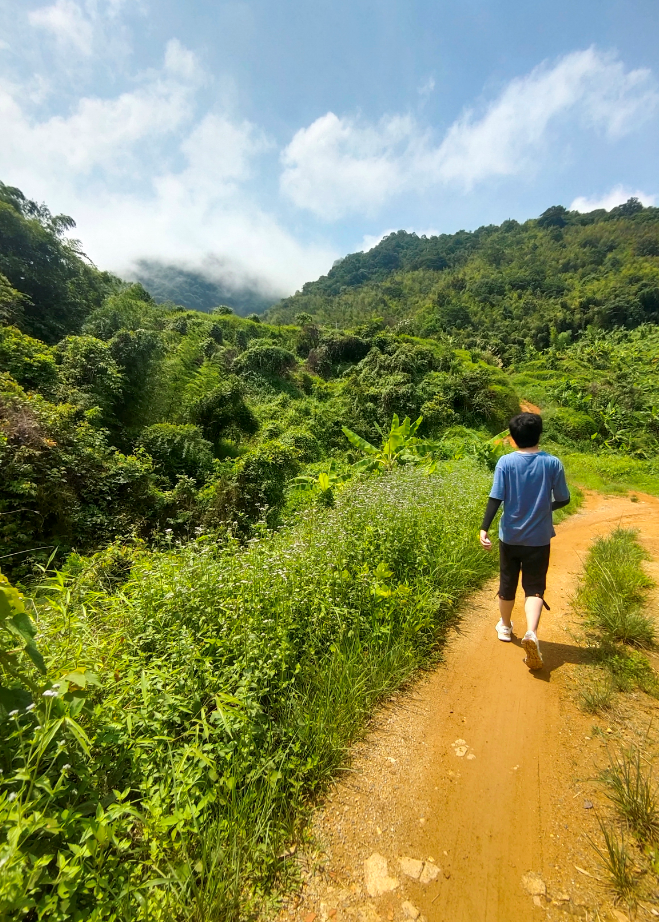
{"x":258,"y":141}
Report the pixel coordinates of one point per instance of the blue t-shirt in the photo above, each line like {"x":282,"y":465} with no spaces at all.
{"x":527,"y":482}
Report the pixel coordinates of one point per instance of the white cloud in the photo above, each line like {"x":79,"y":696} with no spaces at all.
{"x":146,"y":177}
{"x":85,"y":33}
{"x":589,"y":85}
{"x":339,"y":165}
{"x":68,"y":24}
{"x":99,"y":133}
{"x":425,"y":89}
{"x":617,"y":196}
{"x":335,"y":166}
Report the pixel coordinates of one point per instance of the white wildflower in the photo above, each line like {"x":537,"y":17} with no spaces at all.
{"x":13,"y":713}
{"x":12,"y":796}
{"x":49,"y":693}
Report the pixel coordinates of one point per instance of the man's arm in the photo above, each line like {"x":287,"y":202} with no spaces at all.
{"x":497,"y":496}
{"x":560,"y":490}
{"x":490,"y":511}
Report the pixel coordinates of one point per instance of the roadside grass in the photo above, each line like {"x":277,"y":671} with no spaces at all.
{"x":631,"y":833}
{"x":609,"y":472}
{"x":612,"y":598}
{"x":232,"y":682}
{"x":612,"y":592}
{"x":618,"y":865}
{"x":629,"y":785}
{"x":597,"y":694}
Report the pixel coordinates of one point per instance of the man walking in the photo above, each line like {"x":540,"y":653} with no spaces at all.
{"x":531,"y":484}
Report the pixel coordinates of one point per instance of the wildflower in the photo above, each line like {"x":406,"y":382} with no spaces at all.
{"x":49,"y":693}
{"x":13,"y":713}
{"x":66,"y":767}
{"x":30,"y":707}
{"x":12,"y":796}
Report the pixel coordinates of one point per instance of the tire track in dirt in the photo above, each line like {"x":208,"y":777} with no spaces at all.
{"x":482,"y":769}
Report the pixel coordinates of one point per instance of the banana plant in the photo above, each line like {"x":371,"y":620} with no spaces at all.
{"x":323,"y":484}
{"x":401,"y":446}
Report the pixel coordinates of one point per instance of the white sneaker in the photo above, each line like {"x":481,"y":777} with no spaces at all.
{"x":504,"y":632}
{"x":532,"y":646}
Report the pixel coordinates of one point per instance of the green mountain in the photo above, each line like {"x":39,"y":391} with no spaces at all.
{"x":197,"y":291}
{"x":509,"y":290}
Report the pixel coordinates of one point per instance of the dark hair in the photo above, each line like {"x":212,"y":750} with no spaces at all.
{"x":526,"y":429}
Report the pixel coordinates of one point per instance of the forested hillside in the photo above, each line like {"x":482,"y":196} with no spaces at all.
{"x":121,"y":417}
{"x":505,"y":290}
{"x":234,"y":537}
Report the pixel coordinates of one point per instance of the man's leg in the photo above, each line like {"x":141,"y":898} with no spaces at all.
{"x":534,"y":582}
{"x":506,"y":609}
{"x":533,"y":609}
{"x":509,"y":567}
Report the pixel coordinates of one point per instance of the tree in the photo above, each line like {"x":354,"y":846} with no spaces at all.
{"x":59,"y":286}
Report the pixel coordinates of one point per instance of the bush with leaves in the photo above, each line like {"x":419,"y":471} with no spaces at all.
{"x":178,"y":450}
{"x":265,"y":358}
{"x":29,"y":361}
{"x":221,"y":411}
{"x":89,"y":374}
{"x":62,"y":484}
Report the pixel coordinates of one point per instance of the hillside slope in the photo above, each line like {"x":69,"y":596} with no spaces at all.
{"x":509,"y":289}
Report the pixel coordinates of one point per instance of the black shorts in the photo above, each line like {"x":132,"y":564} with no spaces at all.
{"x":532,"y":561}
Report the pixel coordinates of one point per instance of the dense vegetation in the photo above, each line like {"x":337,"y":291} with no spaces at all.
{"x":143,"y":419}
{"x":211,"y":690}
{"x":505,"y":290}
{"x":232,"y":540}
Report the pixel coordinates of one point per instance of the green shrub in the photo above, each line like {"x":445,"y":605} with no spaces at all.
{"x":222,"y":411}
{"x":29,"y":361}
{"x":304,"y":442}
{"x":11,"y":302}
{"x":62,"y":485}
{"x":266,"y":359}
{"x":178,"y":450}
{"x":261,"y":478}
{"x":564,"y":423}
{"x":88,"y":368}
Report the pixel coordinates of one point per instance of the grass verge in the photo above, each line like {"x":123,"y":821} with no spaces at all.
{"x":612,"y":597}
{"x":231,"y":682}
{"x":609,"y":472}
{"x":612,"y":592}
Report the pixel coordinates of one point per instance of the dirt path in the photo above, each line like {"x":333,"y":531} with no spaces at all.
{"x":483,"y":771}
